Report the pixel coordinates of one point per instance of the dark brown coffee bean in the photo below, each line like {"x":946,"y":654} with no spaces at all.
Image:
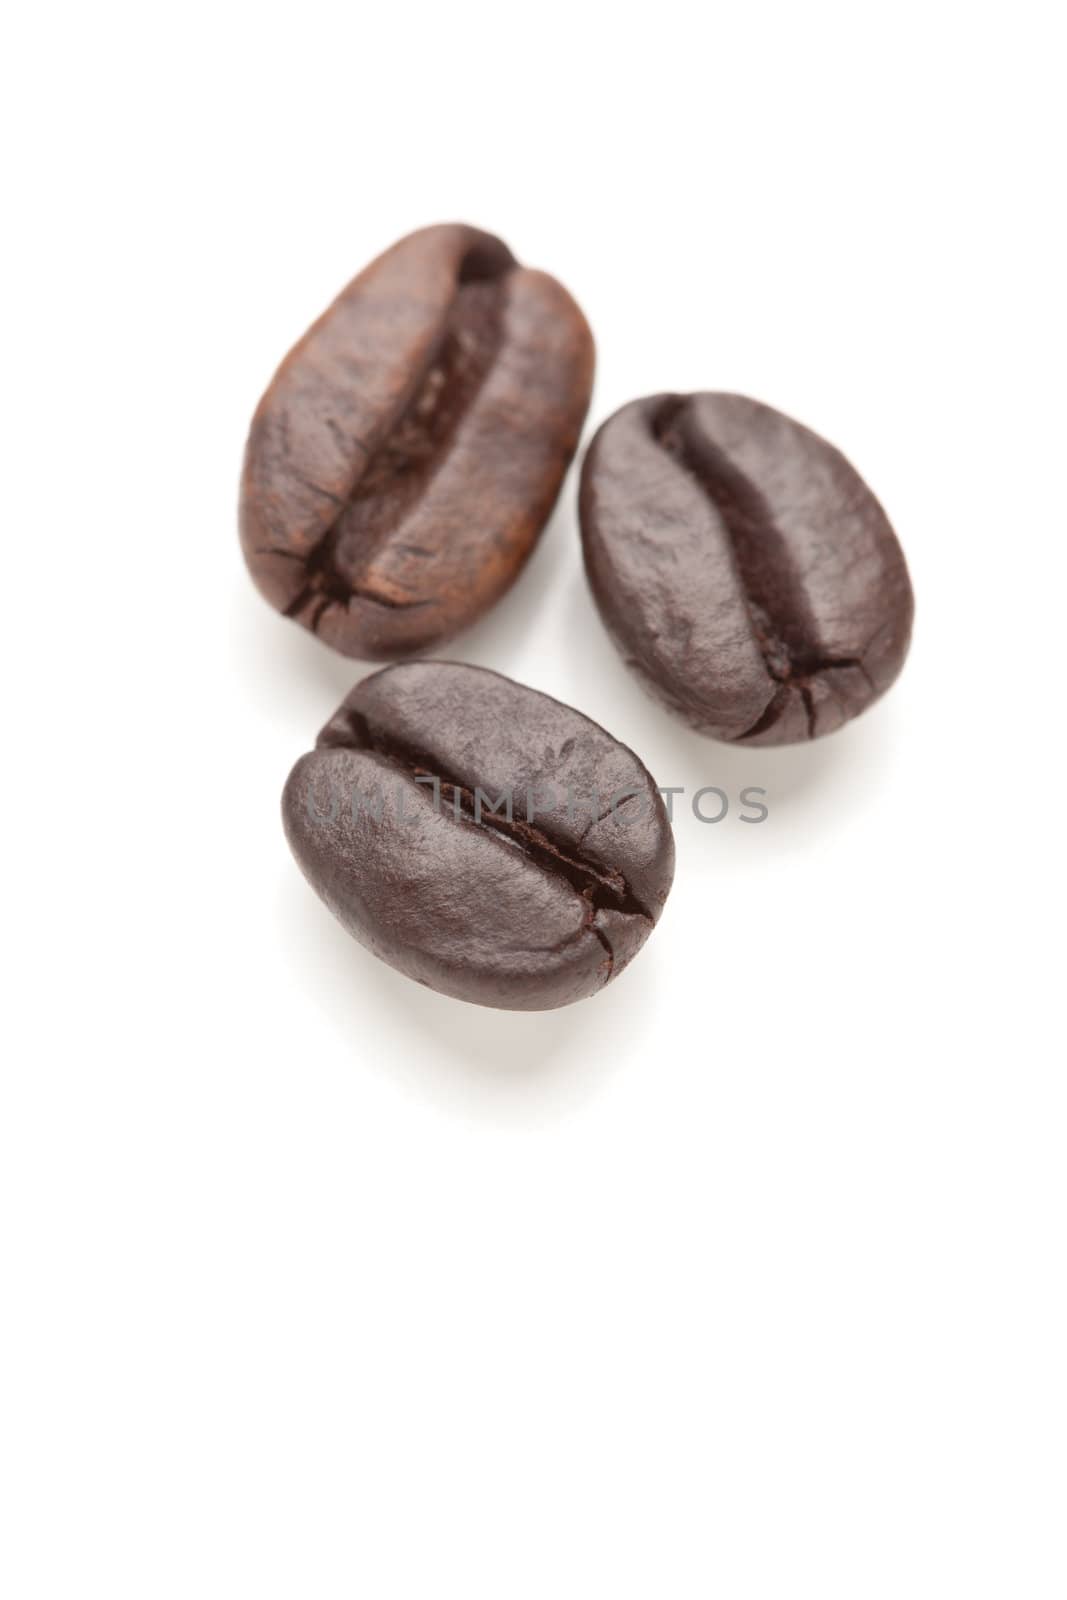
{"x":410,"y":448}
{"x":389,"y":818}
{"x":743,"y":567}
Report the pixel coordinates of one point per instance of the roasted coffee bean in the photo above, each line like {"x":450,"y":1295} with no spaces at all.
{"x":743,"y":568}
{"x":410,"y":448}
{"x":532,"y":905}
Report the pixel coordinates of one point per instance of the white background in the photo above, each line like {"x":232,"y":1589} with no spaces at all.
{"x":746,"y":1278}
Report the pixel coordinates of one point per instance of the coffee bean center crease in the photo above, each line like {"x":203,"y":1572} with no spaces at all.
{"x":397,"y":473}
{"x":779,"y":615}
{"x":601,"y":888}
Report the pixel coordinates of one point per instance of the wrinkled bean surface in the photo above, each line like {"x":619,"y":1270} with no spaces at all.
{"x":410,"y":448}
{"x":525,"y":913}
{"x":743,"y":567}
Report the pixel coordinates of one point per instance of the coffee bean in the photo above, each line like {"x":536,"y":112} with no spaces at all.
{"x":410,"y":448}
{"x":743,"y":568}
{"x":524,"y":912}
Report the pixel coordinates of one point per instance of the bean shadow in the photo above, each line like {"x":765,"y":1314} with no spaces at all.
{"x":507,"y":1066}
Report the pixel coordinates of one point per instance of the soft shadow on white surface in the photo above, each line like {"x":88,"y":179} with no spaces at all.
{"x":497,"y":1063}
